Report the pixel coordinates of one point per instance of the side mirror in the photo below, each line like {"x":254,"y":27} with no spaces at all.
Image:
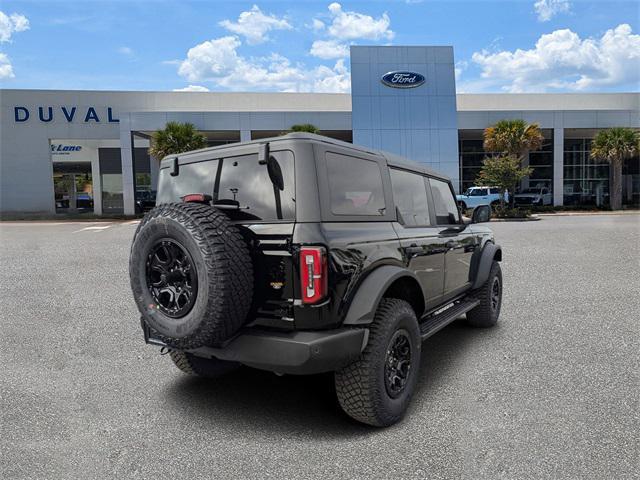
{"x":481,"y":214}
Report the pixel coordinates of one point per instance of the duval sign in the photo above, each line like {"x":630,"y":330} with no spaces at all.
{"x":402,"y":79}
{"x":69,"y":114}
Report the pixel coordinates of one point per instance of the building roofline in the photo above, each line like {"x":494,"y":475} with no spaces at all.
{"x":341,"y":102}
{"x":473,"y":102}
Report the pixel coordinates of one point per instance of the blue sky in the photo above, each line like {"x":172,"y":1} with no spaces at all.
{"x":508,"y":46}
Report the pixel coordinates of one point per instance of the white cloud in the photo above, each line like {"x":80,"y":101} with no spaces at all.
{"x":127,"y":51}
{"x":211,"y":59}
{"x":331,"y":80}
{"x":10,"y":24}
{"x":317,"y":25}
{"x":192,"y":88}
{"x":547,"y":9}
{"x":254,"y":25}
{"x":354,"y":25}
{"x":460,"y":67}
{"x":218,"y":61}
{"x":562,"y":60}
{"x":327,"y":49}
{"x":344,"y":27}
{"x":6,"y":70}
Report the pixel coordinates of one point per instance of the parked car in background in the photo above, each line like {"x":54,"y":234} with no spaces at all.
{"x":145,"y":200}
{"x":475,"y":196}
{"x":534,"y":196}
{"x":84,"y":200}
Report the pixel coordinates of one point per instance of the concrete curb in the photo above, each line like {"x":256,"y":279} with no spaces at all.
{"x":577,"y":214}
{"x":532,"y":218}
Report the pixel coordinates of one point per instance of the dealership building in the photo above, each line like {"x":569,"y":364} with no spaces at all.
{"x":78,"y":151}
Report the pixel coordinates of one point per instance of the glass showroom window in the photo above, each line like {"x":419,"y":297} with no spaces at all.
{"x":111,"y":179}
{"x":586,"y":181}
{"x":472,"y":155}
{"x":631,"y":182}
{"x":542,"y":163}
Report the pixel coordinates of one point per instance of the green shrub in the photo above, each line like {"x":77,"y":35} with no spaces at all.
{"x":506,"y":212}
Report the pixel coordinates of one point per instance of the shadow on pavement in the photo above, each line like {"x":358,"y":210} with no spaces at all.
{"x":255,"y":401}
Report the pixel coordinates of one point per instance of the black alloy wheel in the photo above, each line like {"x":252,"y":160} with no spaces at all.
{"x":496,"y":293}
{"x":376,"y":388}
{"x":191,"y":275}
{"x":171,"y":277}
{"x":397,"y":363}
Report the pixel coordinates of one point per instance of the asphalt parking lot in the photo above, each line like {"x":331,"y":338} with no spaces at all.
{"x":552,"y":392}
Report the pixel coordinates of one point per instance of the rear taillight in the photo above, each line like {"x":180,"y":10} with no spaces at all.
{"x":313,"y":274}
{"x":196,"y":198}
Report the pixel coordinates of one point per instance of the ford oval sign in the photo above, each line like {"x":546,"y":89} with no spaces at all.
{"x":402,"y":79}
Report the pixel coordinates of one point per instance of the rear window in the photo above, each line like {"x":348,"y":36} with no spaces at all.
{"x":355,"y":186}
{"x":194,"y":178}
{"x":239,"y":181}
{"x":244,"y":180}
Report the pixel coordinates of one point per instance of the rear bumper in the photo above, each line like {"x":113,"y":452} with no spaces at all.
{"x":297,"y":353}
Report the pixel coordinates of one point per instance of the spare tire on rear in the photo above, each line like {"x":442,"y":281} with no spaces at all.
{"x":191,"y":275}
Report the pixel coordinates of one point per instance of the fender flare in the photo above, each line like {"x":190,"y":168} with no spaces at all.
{"x":366,"y":300}
{"x":487,"y":255}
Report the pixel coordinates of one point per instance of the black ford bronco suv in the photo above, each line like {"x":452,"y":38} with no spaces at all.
{"x":301,"y":254}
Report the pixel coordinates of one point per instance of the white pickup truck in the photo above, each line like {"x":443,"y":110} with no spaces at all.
{"x":534,"y":196}
{"x":475,"y":196}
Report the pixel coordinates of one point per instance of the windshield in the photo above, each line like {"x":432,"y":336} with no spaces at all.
{"x":531,"y":190}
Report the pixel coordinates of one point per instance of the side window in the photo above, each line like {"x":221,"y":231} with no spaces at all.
{"x":410,"y":196}
{"x":444,"y":203}
{"x":495,"y":191}
{"x":355,"y":186}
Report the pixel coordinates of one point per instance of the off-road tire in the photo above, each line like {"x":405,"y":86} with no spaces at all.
{"x":223,"y":268}
{"x":203,"y":367}
{"x":486,"y":315}
{"x":361,"y":388}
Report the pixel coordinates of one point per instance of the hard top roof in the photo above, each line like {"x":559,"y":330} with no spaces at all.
{"x":393,"y":160}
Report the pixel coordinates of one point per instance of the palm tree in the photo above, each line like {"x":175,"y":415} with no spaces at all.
{"x":176,"y":138}
{"x":305,"y":127}
{"x":615,"y":145}
{"x":514,"y":139}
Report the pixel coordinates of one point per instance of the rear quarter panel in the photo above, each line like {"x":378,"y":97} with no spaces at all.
{"x":355,"y":249}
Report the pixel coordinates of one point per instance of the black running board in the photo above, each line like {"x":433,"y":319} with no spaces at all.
{"x":441,"y":319}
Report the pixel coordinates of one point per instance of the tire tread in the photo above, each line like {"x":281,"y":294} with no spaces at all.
{"x":359,"y":393}
{"x":227,"y":260}
{"x":481,"y":316}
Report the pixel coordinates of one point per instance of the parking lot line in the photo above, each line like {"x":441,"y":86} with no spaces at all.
{"x":93,"y":228}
